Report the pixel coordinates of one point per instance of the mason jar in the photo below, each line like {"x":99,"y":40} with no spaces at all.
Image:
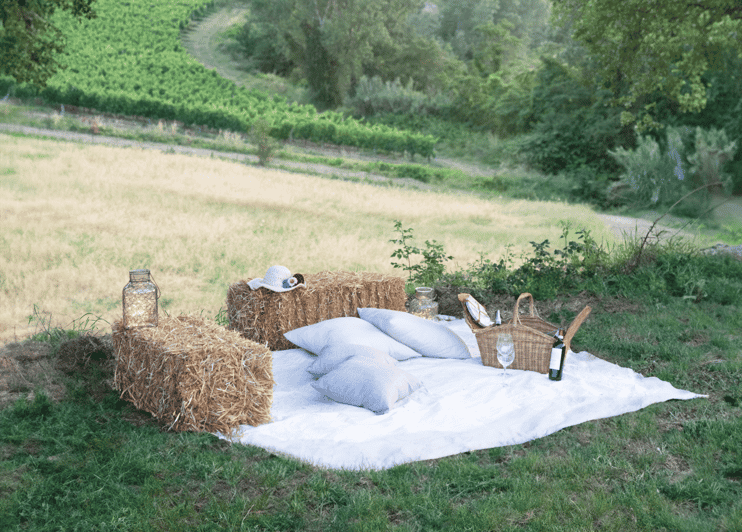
{"x":140,"y":300}
{"x":424,"y":304}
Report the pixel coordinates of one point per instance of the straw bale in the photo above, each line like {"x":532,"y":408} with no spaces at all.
{"x":263,"y":316}
{"x":194,"y":375}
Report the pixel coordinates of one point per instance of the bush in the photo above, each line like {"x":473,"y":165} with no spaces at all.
{"x":660,"y":175}
{"x":575,"y":125}
{"x":258,"y":43}
{"x":591,"y":186}
{"x":545,"y":274}
{"x":266,"y":145}
{"x":713,"y":150}
{"x":427,"y":272}
{"x":563,"y":142}
{"x":655,"y":177}
{"x":374,"y":96}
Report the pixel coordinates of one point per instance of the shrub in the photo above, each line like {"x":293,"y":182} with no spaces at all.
{"x":544,"y":274}
{"x":266,"y":145}
{"x":374,"y":96}
{"x":713,"y":150}
{"x":660,"y":175}
{"x":654,"y":176}
{"x":258,"y":43}
{"x":591,"y":186}
{"x":427,"y":272}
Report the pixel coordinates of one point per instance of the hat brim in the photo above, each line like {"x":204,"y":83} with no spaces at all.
{"x":258,"y":283}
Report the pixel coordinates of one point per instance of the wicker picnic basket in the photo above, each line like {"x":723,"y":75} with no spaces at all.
{"x":533,"y":337}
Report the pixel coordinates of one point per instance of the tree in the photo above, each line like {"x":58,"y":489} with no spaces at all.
{"x":459,"y":21}
{"x":411,"y":56}
{"x":650,"y":47}
{"x":331,"y":39}
{"x":29,"y":42}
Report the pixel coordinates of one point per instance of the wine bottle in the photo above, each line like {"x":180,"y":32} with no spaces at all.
{"x":498,"y":319}
{"x":558,"y":354}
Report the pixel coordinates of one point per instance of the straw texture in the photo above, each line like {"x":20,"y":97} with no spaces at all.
{"x":263,"y":316}
{"x":194,"y":375}
{"x":532,"y":346}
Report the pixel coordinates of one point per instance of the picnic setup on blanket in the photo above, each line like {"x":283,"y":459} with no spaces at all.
{"x":333,"y":370}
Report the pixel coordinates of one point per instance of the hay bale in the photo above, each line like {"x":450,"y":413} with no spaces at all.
{"x":194,"y":375}
{"x":263,"y":316}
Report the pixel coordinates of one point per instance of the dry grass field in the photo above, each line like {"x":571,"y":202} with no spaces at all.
{"x":75,"y":219}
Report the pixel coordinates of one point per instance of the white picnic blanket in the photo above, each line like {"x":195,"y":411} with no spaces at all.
{"x":463,"y":407}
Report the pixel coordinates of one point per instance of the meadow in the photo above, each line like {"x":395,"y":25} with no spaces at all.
{"x":77,"y":218}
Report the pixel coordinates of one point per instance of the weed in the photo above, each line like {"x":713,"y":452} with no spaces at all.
{"x":56,"y":335}
{"x":433,"y":256}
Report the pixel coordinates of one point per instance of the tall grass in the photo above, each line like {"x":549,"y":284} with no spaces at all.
{"x":76,"y":219}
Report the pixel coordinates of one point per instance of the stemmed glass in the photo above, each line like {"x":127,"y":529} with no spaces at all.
{"x":505,"y":351}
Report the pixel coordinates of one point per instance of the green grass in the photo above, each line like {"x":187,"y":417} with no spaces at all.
{"x":98,"y":464}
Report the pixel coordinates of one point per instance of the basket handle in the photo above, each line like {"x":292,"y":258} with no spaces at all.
{"x":517,"y":302}
{"x":572,"y":329}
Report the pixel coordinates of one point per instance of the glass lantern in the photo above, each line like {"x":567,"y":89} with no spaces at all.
{"x":424,"y":304}
{"x":140,"y":300}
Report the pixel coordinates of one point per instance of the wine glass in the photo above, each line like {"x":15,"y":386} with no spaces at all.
{"x":505,"y":351}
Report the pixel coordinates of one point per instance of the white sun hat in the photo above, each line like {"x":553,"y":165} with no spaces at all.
{"x":278,"y":279}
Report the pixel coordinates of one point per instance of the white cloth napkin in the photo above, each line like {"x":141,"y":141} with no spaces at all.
{"x":462,"y":407}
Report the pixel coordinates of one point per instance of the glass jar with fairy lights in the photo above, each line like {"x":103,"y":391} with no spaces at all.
{"x":424,"y":304}
{"x":140,"y":300}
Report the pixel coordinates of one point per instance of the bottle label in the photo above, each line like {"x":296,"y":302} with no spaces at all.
{"x":556,"y":359}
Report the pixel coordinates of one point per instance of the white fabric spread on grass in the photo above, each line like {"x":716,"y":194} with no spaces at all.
{"x":463,"y":406}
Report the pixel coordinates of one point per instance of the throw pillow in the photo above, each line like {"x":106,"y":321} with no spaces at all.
{"x":333,"y":355}
{"x":428,"y":338}
{"x":348,"y":330}
{"x":360,"y":381}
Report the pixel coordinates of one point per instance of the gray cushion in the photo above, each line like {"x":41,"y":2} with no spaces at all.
{"x":356,"y":331}
{"x":361,"y":381}
{"x":332,"y":356}
{"x":426,"y":337}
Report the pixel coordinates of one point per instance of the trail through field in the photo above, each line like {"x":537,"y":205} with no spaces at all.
{"x":202,"y":39}
{"x":293,"y":166}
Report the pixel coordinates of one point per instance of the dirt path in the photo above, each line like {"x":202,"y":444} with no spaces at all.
{"x":625,"y":225}
{"x":203,"y":38}
{"x":293,"y":166}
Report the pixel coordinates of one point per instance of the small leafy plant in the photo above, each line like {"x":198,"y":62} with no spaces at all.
{"x":431,"y":268}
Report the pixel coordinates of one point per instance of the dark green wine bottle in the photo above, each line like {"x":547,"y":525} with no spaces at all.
{"x":558,"y":354}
